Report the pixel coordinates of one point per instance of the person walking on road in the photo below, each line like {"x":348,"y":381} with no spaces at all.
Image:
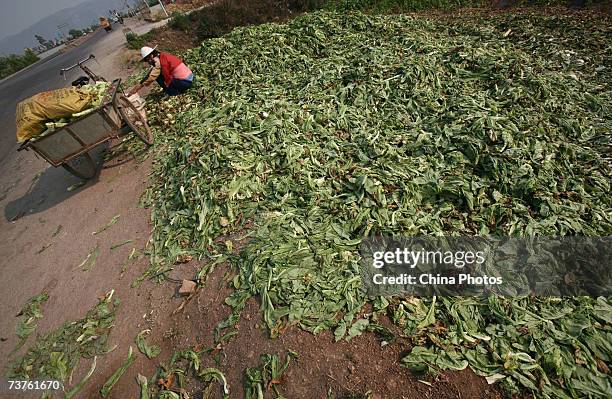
{"x":168,"y":71}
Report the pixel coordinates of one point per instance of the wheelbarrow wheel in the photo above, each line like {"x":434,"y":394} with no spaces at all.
{"x":82,"y":166}
{"x":134,"y":119}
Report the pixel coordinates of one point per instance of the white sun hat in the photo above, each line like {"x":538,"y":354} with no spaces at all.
{"x":145,"y":51}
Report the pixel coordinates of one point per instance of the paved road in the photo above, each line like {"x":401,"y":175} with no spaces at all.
{"x":40,"y":77}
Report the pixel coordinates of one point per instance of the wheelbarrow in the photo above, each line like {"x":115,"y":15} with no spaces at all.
{"x":69,"y":145}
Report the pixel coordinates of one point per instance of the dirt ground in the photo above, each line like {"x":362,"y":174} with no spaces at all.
{"x":36,"y":204}
{"x":347,"y":369}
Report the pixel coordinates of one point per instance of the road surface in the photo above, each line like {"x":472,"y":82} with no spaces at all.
{"x":41,"y":77}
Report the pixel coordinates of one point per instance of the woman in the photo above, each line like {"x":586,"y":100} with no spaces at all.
{"x":168,"y":70}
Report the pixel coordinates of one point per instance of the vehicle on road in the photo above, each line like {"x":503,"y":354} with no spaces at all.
{"x":105,"y":24}
{"x":117,"y":17}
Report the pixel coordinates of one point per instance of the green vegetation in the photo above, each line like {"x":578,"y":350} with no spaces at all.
{"x":47,"y":44}
{"x":54,"y":355}
{"x":13,"y":63}
{"x":400,"y":5}
{"x":135,"y":42}
{"x":224,"y":15}
{"x":74,"y":33}
{"x":90,"y":261}
{"x":313,"y":134}
{"x":150,"y":351}
{"x":108,"y":225}
{"x":112,"y":380}
{"x":417,"y":5}
{"x":171,"y":377}
{"x":268,"y":376}
{"x":557,"y":348}
{"x":28,"y":315}
{"x":180,"y":21}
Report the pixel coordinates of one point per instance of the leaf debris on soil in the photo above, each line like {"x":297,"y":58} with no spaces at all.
{"x":115,"y":246}
{"x":28,"y":315}
{"x":76,"y":185}
{"x":43,"y":248}
{"x":132,"y":257}
{"x":90,"y":261}
{"x":77,"y":388}
{"x":55,"y":354}
{"x":550,"y":345}
{"x":210,"y":374}
{"x":105,"y":390}
{"x":108,"y":225}
{"x":171,"y":377}
{"x":150,"y":351}
{"x":144,"y":386}
{"x":57,"y":231}
{"x":35,"y":179}
{"x":260,"y":379}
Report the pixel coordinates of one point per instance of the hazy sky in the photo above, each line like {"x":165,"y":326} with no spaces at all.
{"x":17,"y":15}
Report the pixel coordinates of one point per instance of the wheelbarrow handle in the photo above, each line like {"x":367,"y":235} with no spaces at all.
{"x":81,"y":64}
{"x":64,"y":70}
{"x":24,"y":146}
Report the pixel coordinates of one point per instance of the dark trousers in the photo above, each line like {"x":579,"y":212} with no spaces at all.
{"x":177,"y":86}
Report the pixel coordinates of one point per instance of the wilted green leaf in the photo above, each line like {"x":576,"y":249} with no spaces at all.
{"x":110,"y":383}
{"x":149,"y":351}
{"x":108,"y":225}
{"x":77,"y":388}
{"x":90,"y":260}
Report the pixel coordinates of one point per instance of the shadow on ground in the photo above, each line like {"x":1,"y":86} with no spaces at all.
{"x":51,"y":187}
{"x":123,"y":153}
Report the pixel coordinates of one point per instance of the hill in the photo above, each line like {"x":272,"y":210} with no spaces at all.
{"x":79,"y":16}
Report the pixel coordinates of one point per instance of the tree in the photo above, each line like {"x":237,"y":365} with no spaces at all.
{"x":74,"y":33}
{"x":12,"y":63}
{"x":43,"y":42}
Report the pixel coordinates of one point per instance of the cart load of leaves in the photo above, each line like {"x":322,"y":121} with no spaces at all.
{"x":46,"y":112}
{"x":300,"y":139}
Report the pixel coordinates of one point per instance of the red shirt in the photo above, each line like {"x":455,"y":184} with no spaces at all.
{"x":172,"y":67}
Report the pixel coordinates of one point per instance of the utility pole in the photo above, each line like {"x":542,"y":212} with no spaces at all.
{"x":60,"y":27}
{"x":143,"y":10}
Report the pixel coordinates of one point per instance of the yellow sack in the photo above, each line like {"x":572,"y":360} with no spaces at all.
{"x":34,"y":112}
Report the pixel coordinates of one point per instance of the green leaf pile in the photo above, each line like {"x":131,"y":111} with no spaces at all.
{"x":302,"y":138}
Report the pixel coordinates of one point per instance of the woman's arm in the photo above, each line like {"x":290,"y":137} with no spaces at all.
{"x":153,"y":75}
